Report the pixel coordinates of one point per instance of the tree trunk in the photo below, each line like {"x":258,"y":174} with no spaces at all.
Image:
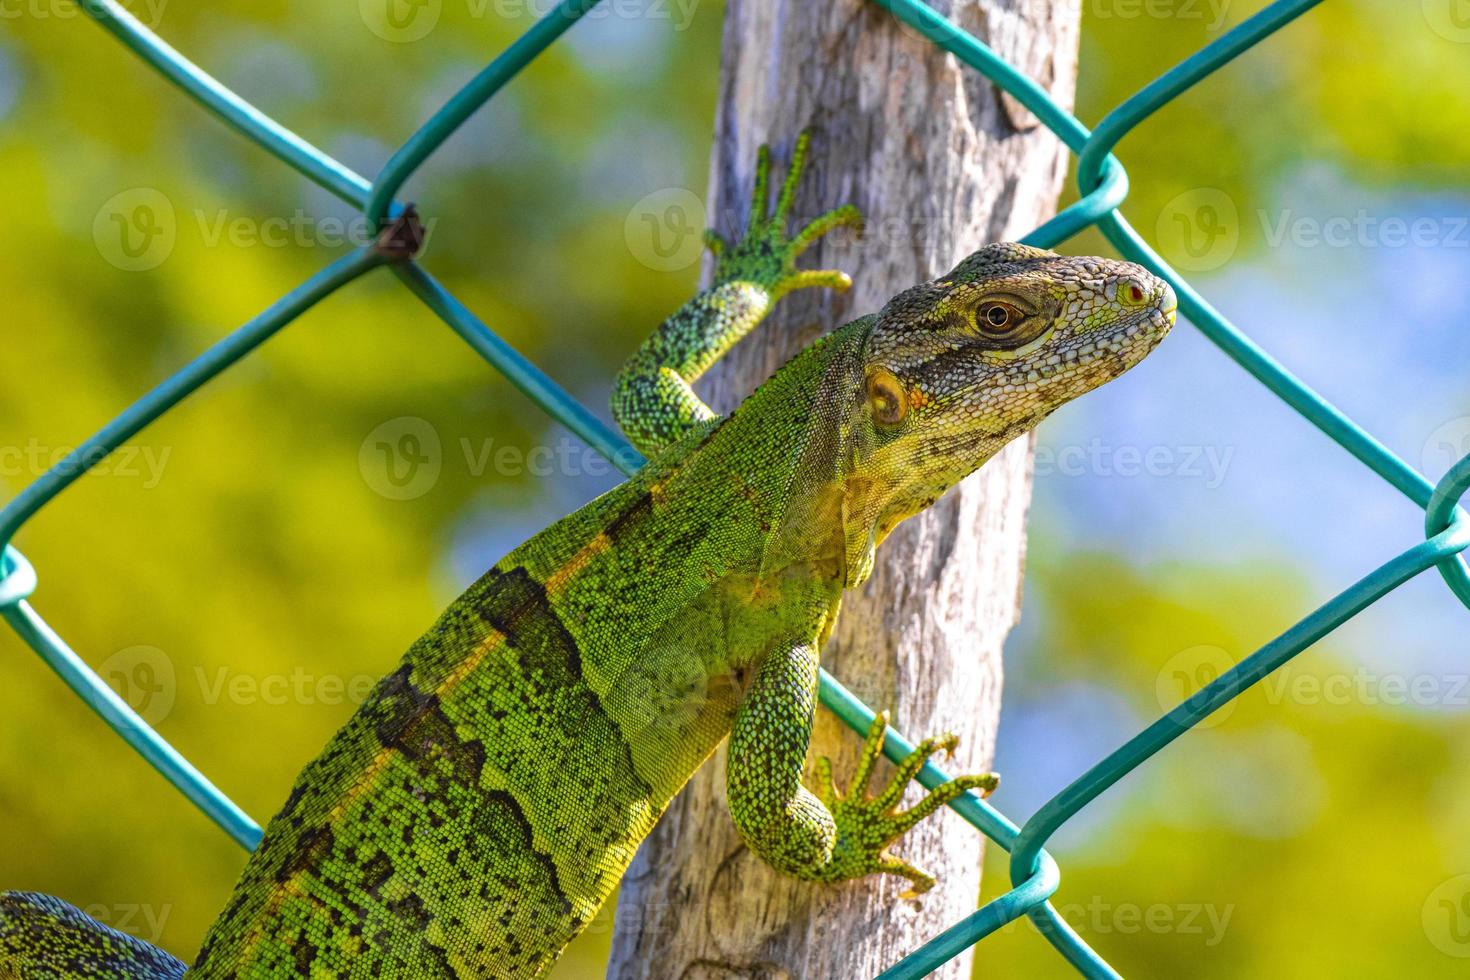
{"x":941,"y":163}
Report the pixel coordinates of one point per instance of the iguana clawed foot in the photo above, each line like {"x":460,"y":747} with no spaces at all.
{"x":766,"y":255}
{"x":867,"y":825}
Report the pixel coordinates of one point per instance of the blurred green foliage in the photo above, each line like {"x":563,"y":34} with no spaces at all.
{"x":1301,"y":831}
{"x":250,"y":555}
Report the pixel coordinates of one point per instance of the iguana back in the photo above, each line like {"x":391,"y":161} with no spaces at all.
{"x":490,"y":793}
{"x":483,"y":801}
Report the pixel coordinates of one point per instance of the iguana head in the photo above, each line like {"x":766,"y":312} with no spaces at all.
{"x":957,"y":367}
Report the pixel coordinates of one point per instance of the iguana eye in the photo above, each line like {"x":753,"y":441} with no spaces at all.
{"x":998,"y":317}
{"x":1001,"y":324}
{"x":887,"y":398}
{"x":1130,"y":292}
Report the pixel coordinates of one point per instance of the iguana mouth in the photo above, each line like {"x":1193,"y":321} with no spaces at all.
{"x":1172,"y":308}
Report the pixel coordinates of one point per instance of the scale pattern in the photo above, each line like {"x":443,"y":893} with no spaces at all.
{"x":44,"y":938}
{"x":480,"y":806}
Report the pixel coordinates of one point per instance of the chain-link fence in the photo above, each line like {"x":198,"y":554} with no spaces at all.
{"x":1103,"y":183}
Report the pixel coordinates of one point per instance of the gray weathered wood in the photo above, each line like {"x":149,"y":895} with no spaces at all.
{"x":940,"y":163}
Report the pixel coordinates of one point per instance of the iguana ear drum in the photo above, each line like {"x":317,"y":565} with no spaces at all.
{"x":887,"y":398}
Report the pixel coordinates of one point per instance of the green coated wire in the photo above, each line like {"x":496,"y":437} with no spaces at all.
{"x":47,"y":643}
{"x":1026,"y":856}
{"x":176,"y":387}
{"x":468,"y":100}
{"x":234,"y":111}
{"x":1443,"y":513}
{"x":520,"y":372}
{"x":1104,"y":185}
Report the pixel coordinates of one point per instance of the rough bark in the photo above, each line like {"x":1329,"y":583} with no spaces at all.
{"x":941,"y":162}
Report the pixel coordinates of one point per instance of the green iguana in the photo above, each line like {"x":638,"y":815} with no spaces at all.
{"x":479,"y":807}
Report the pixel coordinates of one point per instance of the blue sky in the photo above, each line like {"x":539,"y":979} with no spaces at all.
{"x":1383,"y":332}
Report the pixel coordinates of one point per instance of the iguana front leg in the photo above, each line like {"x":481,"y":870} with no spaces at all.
{"x":652,"y":399}
{"x":830,"y":837}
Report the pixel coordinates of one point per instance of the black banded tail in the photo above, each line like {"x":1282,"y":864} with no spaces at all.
{"x":44,"y":938}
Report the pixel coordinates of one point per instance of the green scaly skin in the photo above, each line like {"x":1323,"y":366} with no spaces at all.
{"x":43,"y":938}
{"x":477,"y":810}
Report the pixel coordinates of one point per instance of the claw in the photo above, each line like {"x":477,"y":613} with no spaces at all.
{"x":793,"y":177}
{"x":831,"y":278}
{"x":943,"y":795}
{"x":715,"y":242}
{"x":765,"y":255}
{"x":865,"y":826}
{"x":759,"y":198}
{"x":825,"y":783}
{"x":910,"y":767}
{"x":921,"y":880}
{"x":872,"y":749}
{"x":847,"y":216}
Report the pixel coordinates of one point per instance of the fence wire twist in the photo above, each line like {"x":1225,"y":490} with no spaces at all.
{"x":1103,"y":183}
